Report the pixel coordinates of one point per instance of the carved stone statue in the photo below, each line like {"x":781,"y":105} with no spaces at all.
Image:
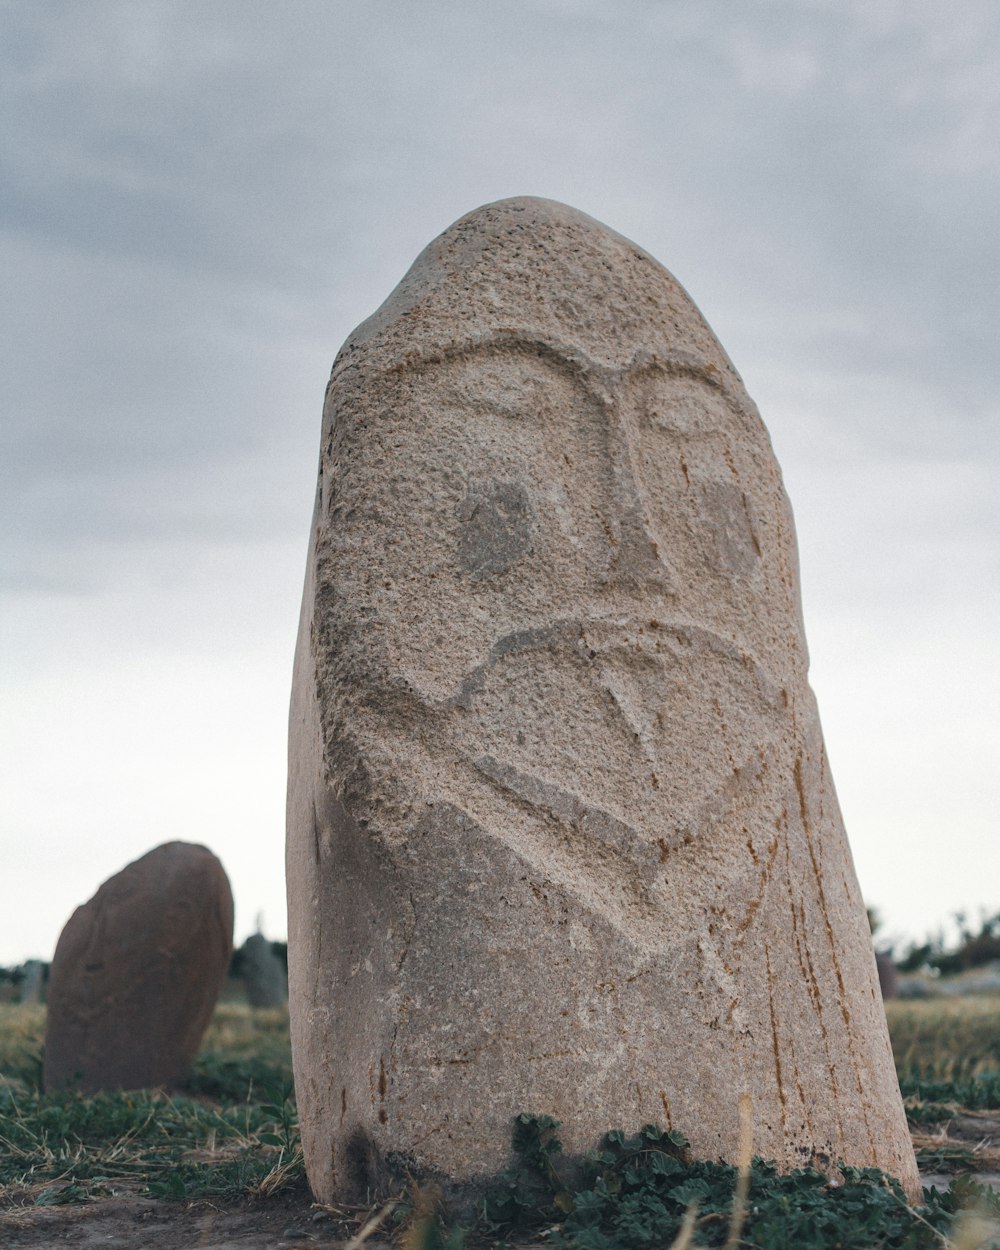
{"x":562,"y":835}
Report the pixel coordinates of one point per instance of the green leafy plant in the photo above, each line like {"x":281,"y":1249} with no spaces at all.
{"x":637,"y":1191}
{"x":928,"y":1093}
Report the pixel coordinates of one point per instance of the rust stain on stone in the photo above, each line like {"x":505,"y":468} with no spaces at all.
{"x":802,"y":1095}
{"x":801,"y":931}
{"x":774,"y":1040}
{"x":808,"y":976}
{"x":765,"y":877}
{"x":807,"y":830}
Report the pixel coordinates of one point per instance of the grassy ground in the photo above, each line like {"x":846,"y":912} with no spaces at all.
{"x":948,"y":1059}
{"x":232,"y":1130}
{"x":947,"y":1056}
{"x":231,"y":1136}
{"x":946,"y":1036}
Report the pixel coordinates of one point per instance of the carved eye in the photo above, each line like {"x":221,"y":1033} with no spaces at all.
{"x":496,"y":527}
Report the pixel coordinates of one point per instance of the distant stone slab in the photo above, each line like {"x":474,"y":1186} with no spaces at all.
{"x":562,"y":836}
{"x":888,"y":975}
{"x":137,"y":973}
{"x":263,"y":973}
{"x":33,"y":983}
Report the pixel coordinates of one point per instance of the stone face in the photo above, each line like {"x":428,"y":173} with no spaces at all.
{"x":562,"y":836}
{"x":263,"y":973}
{"x":137,"y":973}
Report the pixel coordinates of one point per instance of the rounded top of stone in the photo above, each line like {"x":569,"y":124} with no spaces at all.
{"x":535,"y":270}
{"x":177,"y":848}
{"x":176,"y":856}
{"x":170,"y":866}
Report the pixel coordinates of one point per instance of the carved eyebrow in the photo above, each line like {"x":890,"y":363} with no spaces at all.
{"x":350,"y":369}
{"x":601,"y":382}
{"x":494,"y":341}
{"x":676,"y":363}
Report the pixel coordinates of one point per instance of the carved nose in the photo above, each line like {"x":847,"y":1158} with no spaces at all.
{"x":637,"y":558}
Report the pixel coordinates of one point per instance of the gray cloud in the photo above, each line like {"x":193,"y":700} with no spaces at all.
{"x":191,"y":195}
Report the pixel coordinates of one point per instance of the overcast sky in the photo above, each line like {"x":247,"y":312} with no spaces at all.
{"x":199,"y":201}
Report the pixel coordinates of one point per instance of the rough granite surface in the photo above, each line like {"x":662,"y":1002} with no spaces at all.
{"x":562,"y":836}
{"x":137,"y":973}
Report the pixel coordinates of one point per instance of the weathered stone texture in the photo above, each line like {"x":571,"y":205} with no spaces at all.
{"x":137,"y":973}
{"x":562,"y":834}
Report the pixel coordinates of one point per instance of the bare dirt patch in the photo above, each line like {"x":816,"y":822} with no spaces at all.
{"x":285,"y":1221}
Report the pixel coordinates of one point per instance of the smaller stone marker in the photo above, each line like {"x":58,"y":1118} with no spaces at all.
{"x":264,"y":974}
{"x":33,"y":983}
{"x":137,"y":973}
{"x":888,"y":977}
